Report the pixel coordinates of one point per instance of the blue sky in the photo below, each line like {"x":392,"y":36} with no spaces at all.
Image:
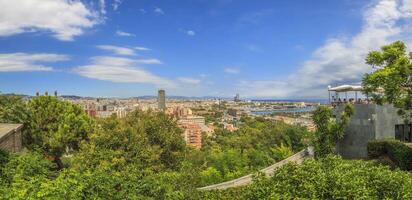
{"x":123,"y":48}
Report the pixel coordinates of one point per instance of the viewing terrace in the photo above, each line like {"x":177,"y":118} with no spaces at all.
{"x":351,"y":94}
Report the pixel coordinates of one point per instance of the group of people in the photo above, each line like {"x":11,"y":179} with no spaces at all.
{"x":338,"y":101}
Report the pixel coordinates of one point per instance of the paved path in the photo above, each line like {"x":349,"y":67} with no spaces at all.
{"x":268,"y":171}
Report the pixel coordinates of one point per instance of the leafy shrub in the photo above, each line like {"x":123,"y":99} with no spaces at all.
{"x":396,"y":150}
{"x":24,"y":174}
{"x":4,"y":158}
{"x":326,"y":178}
{"x":376,"y":148}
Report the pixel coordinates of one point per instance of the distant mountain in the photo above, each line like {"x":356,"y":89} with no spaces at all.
{"x":73,"y":97}
{"x":13,"y":94}
{"x":183,"y":97}
{"x":322,"y":101}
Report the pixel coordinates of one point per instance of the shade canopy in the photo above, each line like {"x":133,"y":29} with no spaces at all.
{"x":346,"y":88}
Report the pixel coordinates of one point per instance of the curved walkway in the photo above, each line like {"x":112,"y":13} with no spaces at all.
{"x":268,"y":171}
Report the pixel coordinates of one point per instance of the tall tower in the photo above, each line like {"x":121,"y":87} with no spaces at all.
{"x":237,"y":98}
{"x":161,"y":99}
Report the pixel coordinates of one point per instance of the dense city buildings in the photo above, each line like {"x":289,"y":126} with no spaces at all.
{"x":199,"y":116}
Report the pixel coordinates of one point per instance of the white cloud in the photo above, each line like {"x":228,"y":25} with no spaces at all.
{"x":149,"y":61}
{"x":117,"y":50}
{"x":102,"y":5}
{"x":188,"y":80}
{"x":190,"y":33}
{"x":17,"y":62}
{"x":159,"y":11}
{"x":232,"y":70}
{"x":65,"y":19}
{"x":141,"y":48}
{"x":121,"y":70}
{"x":116,"y":4}
{"x":341,"y":60}
{"x":124,"y":34}
{"x":143,"y":11}
{"x":130,"y":52}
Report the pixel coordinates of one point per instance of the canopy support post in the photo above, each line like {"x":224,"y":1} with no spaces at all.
{"x":356,"y":96}
{"x":329,"y":96}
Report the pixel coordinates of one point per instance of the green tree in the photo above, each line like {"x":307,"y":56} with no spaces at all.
{"x":326,"y":178}
{"x":328,"y":129}
{"x":24,"y":174}
{"x":391,"y":82}
{"x":12,"y":109}
{"x":4,"y":159}
{"x":56,"y":127}
{"x":210,"y":175}
{"x":281,"y":152}
{"x":146,"y":139}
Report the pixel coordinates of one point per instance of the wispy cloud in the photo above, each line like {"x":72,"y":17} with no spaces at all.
{"x":341,"y":60}
{"x":102,"y":5}
{"x":117,"y":50}
{"x":73,"y":17}
{"x":143,"y":11}
{"x":188,"y":80}
{"x":230,"y":70}
{"x":141,"y":48}
{"x":159,"y":11}
{"x":121,"y":70}
{"x":150,"y":61}
{"x":17,"y":62}
{"x":124,"y":34}
{"x":116,"y":4}
{"x":190,"y":32}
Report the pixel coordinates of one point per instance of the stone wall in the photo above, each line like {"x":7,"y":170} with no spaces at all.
{"x":11,"y":142}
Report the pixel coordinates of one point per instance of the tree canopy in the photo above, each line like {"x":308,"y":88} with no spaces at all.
{"x":329,"y":129}
{"x":56,"y":127}
{"x":326,"y":178}
{"x":391,"y":81}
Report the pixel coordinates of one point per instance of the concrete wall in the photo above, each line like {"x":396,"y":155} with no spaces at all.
{"x":385,"y":121}
{"x":358,"y":132}
{"x":268,"y":171}
{"x":370,"y":121}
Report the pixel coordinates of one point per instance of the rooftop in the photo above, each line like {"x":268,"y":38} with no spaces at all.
{"x":346,"y":88}
{"x":7,"y":128}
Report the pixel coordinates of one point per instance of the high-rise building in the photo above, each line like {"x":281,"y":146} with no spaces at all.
{"x":161,"y":100}
{"x":192,"y":134}
{"x":237,"y":98}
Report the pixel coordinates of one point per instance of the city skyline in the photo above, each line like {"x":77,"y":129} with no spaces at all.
{"x":123,"y":48}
